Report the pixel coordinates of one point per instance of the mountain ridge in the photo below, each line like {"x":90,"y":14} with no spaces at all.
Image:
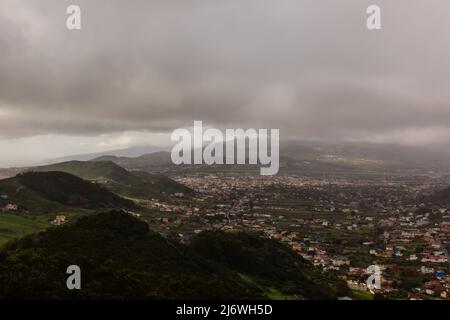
{"x":129,"y":261}
{"x":46,"y":192}
{"x":119,"y":180}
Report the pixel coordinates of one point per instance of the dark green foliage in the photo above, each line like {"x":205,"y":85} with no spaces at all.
{"x":161,"y":184}
{"x":379,"y":296}
{"x":121,"y":259}
{"x":27,"y":199}
{"x":342,"y":289}
{"x":268,"y":261}
{"x":134,"y":184}
{"x":71,"y":191}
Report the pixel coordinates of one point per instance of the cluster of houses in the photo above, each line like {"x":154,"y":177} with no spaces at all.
{"x":8,"y":206}
{"x":59,"y":220}
{"x":392,"y":208}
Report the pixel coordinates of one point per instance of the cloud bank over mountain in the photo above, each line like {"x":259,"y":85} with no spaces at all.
{"x":310,"y":68}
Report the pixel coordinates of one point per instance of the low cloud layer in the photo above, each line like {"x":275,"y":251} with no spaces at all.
{"x":308,"y":67}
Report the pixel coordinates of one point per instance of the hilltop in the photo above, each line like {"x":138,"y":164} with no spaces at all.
{"x":118,"y":180}
{"x":271,"y":263}
{"x":296,"y":156}
{"x":45,"y":192}
{"x":121,"y":258}
{"x":299,"y":156}
{"x":158,"y":161}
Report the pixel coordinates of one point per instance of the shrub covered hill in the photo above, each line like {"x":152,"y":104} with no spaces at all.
{"x":135,"y":184}
{"x":42,"y":192}
{"x":120,"y":258}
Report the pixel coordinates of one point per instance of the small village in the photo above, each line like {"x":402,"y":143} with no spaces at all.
{"x":341,"y":227}
{"x":340,"y":224}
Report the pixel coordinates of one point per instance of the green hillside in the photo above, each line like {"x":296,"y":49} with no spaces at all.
{"x":121,"y":259}
{"x":14,"y":226}
{"x":270,"y":263}
{"x":46,"y":192}
{"x":134,"y":184}
{"x":28,"y":200}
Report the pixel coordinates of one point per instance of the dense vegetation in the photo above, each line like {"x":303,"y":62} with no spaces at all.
{"x":134,"y":184}
{"x":121,"y":259}
{"x":267,"y":261}
{"x":39,"y":192}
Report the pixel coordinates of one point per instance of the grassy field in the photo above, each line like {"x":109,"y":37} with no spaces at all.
{"x":272,"y":293}
{"x":362,"y":295}
{"x":13,"y":226}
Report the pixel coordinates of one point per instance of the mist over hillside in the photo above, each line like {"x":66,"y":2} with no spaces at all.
{"x":296,"y":155}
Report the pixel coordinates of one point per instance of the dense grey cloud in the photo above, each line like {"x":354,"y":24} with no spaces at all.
{"x":308,"y":67}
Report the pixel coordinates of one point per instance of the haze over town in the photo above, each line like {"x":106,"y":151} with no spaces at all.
{"x":355,"y":187}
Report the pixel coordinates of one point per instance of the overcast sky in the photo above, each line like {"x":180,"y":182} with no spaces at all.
{"x":139,"y":69}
